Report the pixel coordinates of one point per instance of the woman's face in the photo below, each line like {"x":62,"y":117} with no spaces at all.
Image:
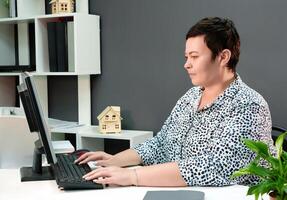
{"x":200,"y":66}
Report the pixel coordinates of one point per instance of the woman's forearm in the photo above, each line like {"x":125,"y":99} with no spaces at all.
{"x":125,"y":158}
{"x":167,"y":174}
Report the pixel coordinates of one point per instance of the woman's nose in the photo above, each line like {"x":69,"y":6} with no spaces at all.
{"x":187,"y":65}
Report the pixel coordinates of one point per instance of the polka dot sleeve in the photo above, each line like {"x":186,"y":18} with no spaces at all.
{"x":154,"y":151}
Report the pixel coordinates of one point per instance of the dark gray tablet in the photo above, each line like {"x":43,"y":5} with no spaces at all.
{"x":174,"y":195}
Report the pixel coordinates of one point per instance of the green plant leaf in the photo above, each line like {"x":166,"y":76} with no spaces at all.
{"x":243,"y":171}
{"x":284,"y":156}
{"x":274,"y":162}
{"x":274,"y":176}
{"x":254,"y":169}
{"x":285,"y":170}
{"x":257,"y":159}
{"x":260,"y":148}
{"x":253,"y":190}
{"x":263,"y":187}
{"x":256,"y":196}
{"x":279,"y":143}
{"x":285,"y":188}
{"x":262,"y":172}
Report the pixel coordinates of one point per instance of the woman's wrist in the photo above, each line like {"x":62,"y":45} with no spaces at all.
{"x":134,"y":177}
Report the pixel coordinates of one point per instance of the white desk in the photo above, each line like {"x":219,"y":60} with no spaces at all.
{"x":12,"y":189}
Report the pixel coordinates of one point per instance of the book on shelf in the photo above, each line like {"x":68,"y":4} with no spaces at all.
{"x":32,"y":47}
{"x":71,"y":54}
{"x":62,"y":47}
{"x":51,"y":28}
{"x":58,"y":46}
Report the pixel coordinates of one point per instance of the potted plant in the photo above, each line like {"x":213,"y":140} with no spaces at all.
{"x":273,"y":178}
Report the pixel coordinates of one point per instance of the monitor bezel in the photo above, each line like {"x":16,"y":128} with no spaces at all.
{"x":43,"y":130}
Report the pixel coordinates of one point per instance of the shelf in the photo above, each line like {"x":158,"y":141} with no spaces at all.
{"x":85,"y":53}
{"x":10,"y":74}
{"x":85,"y":49}
{"x":44,"y":74}
{"x":93,"y":132}
{"x":57,"y":74}
{"x":62,"y":15}
{"x":29,"y":29}
{"x":16,"y":20}
{"x":54,"y":17}
{"x":83,"y":42}
{"x":89,"y":136}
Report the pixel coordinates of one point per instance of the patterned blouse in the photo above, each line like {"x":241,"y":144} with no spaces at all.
{"x":206,"y":143}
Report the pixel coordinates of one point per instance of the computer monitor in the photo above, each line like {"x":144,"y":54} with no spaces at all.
{"x":37,"y":123}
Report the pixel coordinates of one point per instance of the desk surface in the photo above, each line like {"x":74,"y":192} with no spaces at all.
{"x":11,"y":189}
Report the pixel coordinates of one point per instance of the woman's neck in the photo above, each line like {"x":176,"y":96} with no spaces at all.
{"x":220,"y":85}
{"x":211,"y":92}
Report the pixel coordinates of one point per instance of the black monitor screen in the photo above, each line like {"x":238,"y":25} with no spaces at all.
{"x":30,"y":114}
{"x":34,"y":114}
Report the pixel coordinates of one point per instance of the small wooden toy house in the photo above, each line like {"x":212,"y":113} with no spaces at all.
{"x":110,"y":120}
{"x":62,"y":6}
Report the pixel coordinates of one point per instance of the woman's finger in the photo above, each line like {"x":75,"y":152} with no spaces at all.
{"x":89,"y":174}
{"x":97,"y":174}
{"x":106,"y":180}
{"x":83,"y":156}
{"x":85,"y":160}
{"x":92,"y":172}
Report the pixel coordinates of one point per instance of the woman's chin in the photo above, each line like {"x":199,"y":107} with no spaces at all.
{"x":194,"y":82}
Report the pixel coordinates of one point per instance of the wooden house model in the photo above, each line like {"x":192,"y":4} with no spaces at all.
{"x":62,"y":6}
{"x":110,"y":120}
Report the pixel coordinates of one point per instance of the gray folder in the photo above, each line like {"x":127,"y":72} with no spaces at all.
{"x":174,"y":195}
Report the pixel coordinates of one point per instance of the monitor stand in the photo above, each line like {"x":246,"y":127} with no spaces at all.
{"x":37,"y":172}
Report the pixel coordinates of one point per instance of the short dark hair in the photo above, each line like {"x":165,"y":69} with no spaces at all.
{"x":219,"y":34}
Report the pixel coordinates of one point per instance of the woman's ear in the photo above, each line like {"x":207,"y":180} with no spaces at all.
{"x":225,"y":57}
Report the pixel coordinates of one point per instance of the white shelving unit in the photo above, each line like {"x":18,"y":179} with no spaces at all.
{"x":86,"y":42}
{"x":89,"y":137}
{"x":84,"y":60}
{"x":85,"y":53}
{"x":31,"y":8}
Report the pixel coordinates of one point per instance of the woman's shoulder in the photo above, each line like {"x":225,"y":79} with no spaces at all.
{"x":189,"y":96}
{"x":249,"y":96}
{"x":192,"y":93}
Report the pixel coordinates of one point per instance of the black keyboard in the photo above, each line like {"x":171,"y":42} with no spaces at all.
{"x":69,"y":175}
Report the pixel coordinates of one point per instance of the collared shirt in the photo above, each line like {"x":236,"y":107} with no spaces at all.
{"x":207,"y":144}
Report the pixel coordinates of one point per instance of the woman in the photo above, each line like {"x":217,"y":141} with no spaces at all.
{"x":201,"y":141}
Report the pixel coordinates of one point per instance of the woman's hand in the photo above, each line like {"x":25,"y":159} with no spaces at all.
{"x":101,"y":157}
{"x":112,"y":176}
